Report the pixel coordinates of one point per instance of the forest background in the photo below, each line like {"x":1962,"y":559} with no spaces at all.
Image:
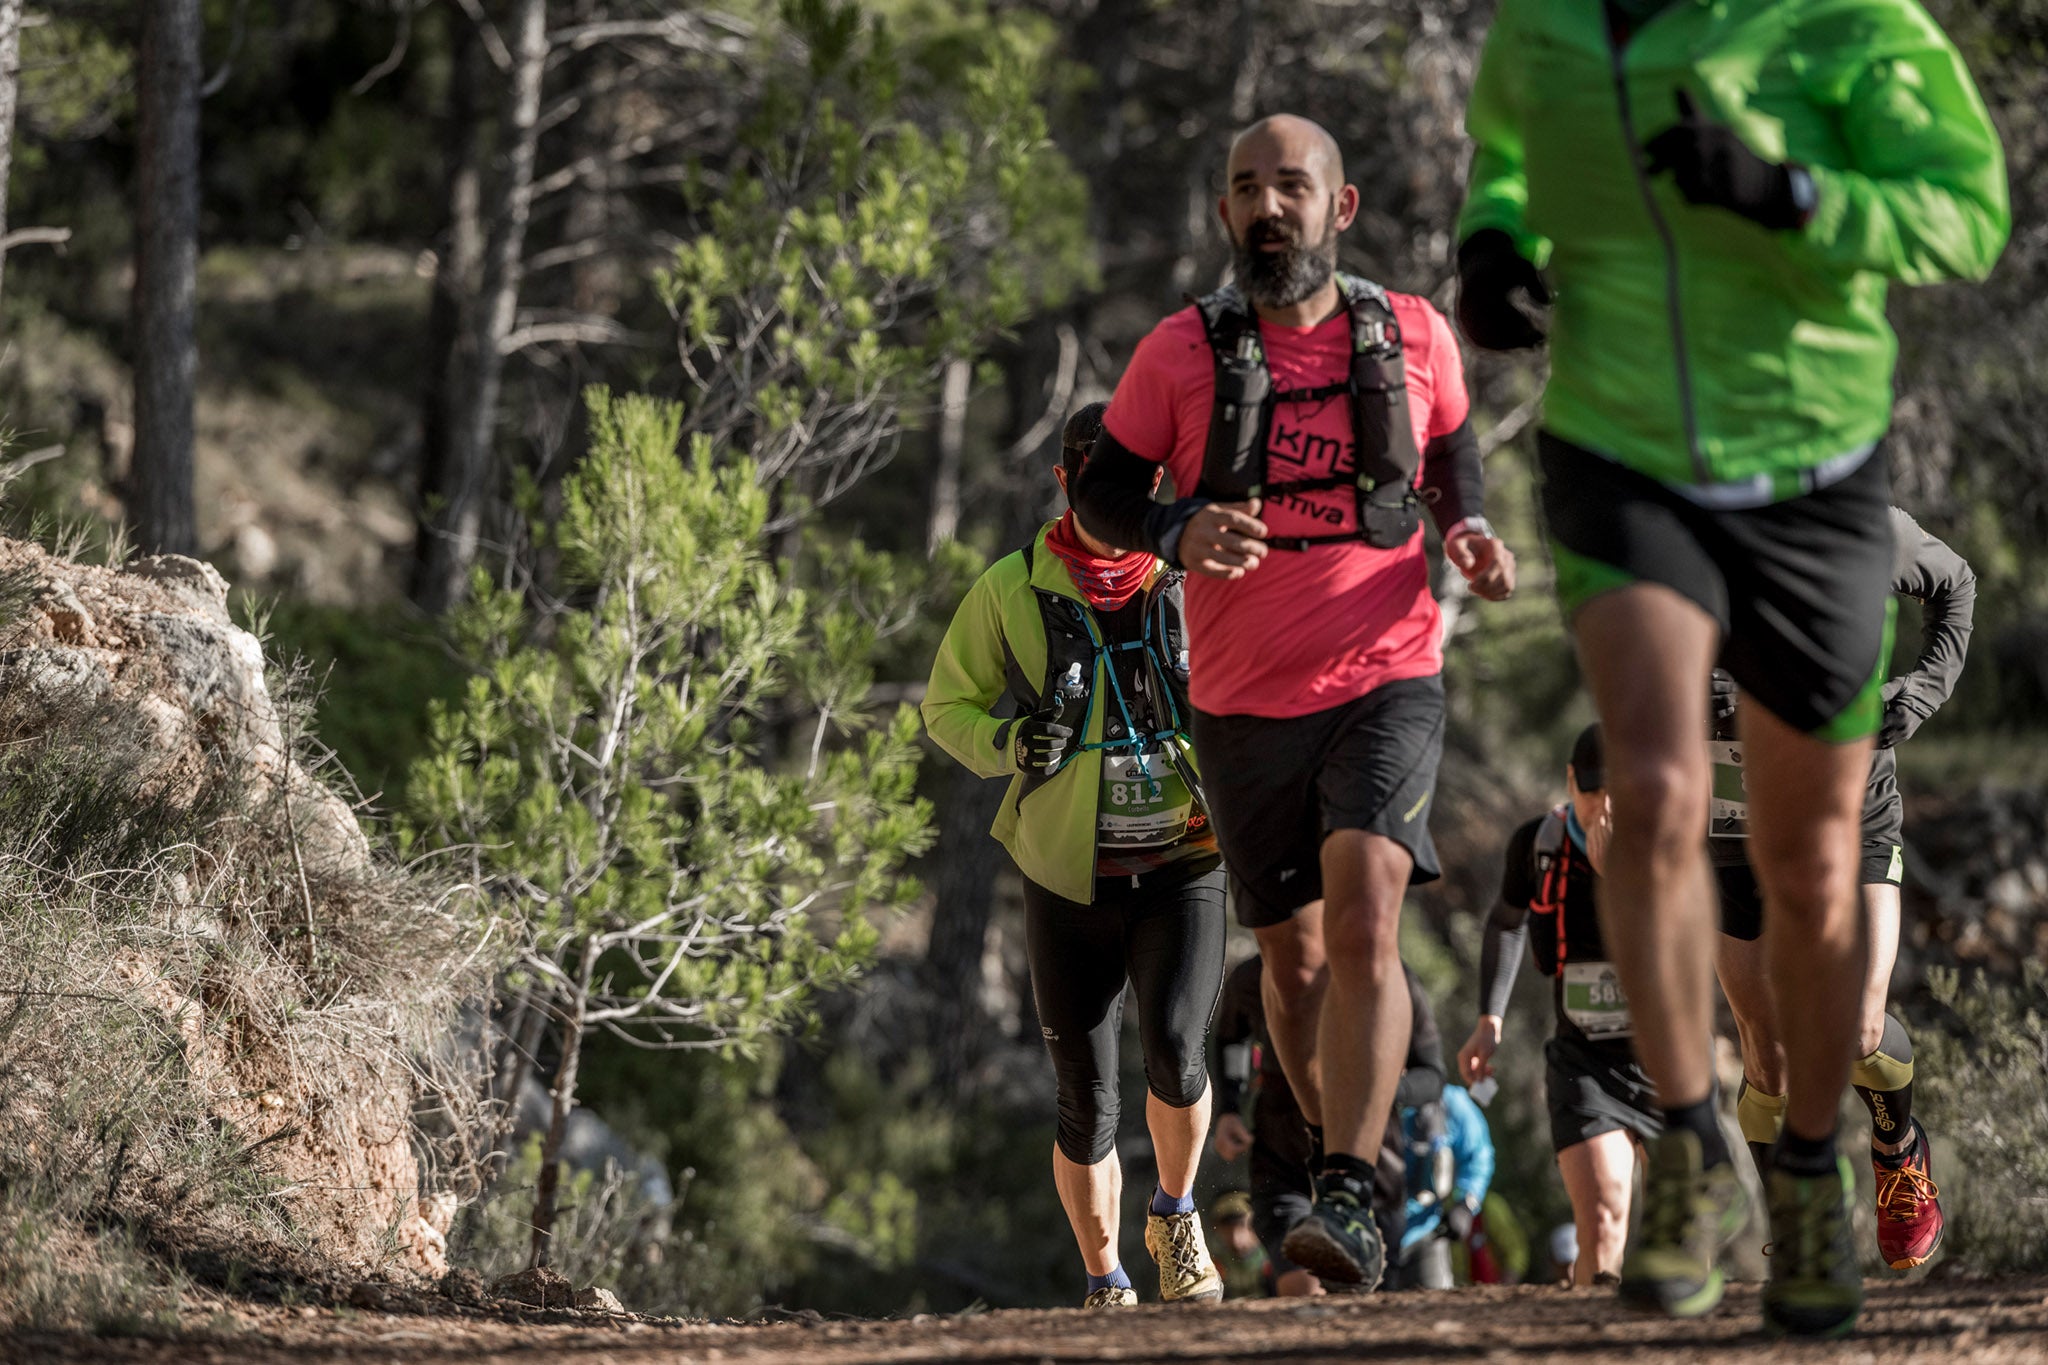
{"x":874,"y":255}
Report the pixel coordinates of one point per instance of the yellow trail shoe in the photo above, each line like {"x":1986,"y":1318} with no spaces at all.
{"x":1112,"y":1296}
{"x":1690,"y":1211}
{"x":1186,"y":1272}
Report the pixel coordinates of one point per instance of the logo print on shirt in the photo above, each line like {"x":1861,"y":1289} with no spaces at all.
{"x":1316,"y":455}
{"x":1295,"y":452}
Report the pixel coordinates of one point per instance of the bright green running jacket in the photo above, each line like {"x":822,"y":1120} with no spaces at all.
{"x":996,"y":647}
{"x":1687,"y":342}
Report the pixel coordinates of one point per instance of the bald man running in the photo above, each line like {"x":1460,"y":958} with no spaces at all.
{"x":1306,"y":417}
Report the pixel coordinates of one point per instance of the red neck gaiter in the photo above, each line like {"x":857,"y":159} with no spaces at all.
{"x":1106,"y":582}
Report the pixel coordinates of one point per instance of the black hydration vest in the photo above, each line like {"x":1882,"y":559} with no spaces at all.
{"x":1384,"y":455}
{"x":1071,"y":638}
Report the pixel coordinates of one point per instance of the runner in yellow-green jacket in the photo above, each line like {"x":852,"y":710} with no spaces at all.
{"x":1713,"y":196}
{"x":1065,"y":671}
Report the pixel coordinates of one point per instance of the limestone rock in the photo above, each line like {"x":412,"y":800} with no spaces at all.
{"x":70,"y":622}
{"x":599,"y":1300}
{"x":540,"y":1287}
{"x":199,"y":584}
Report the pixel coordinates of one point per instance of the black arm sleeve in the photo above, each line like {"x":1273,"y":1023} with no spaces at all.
{"x":1237,"y":1020}
{"x":1925,"y":568}
{"x":1113,"y":498}
{"x":1453,"y":479}
{"x":1500,"y":956}
{"x":1507,"y":928}
{"x":1423,"y":1081}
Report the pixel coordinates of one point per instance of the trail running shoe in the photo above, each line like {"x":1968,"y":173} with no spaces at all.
{"x":1112,"y":1296}
{"x":1690,"y":1211}
{"x":1186,"y":1273}
{"x":1909,"y":1222}
{"x":1815,"y":1288}
{"x":1339,"y":1244}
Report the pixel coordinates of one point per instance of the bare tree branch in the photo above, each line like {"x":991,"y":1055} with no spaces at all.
{"x":36,"y":236}
{"x":400,"y":43}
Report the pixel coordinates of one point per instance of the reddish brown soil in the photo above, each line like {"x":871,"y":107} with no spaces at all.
{"x":1992,"y":1322}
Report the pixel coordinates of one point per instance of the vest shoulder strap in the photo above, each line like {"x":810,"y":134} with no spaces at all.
{"x":1549,"y":847}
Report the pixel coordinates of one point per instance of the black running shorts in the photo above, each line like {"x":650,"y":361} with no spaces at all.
{"x":1595,"y":1089}
{"x":1277,"y":787}
{"x":1742,"y":900}
{"x":1801,"y":588}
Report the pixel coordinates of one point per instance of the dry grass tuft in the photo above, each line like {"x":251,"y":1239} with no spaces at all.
{"x":212,"y":1047}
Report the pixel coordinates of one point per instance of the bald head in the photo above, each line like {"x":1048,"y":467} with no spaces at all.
{"x":1283,"y":206}
{"x":1288,"y":141}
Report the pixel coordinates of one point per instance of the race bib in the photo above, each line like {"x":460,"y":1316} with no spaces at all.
{"x":1144,"y":805}
{"x":1728,"y":817}
{"x":1593,"y":1000}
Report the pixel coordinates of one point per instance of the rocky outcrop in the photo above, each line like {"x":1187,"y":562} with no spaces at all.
{"x":152,"y":652}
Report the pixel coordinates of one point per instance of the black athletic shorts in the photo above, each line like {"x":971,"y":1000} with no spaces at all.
{"x":1595,"y":1089}
{"x":1277,"y":787}
{"x":1742,"y":900}
{"x":1801,"y":588}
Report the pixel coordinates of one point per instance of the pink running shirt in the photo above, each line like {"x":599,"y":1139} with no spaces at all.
{"x":1308,"y":629}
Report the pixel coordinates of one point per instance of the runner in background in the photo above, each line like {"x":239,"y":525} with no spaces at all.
{"x":1602,"y":1106}
{"x":1450,"y":1168}
{"x":1721,"y":195}
{"x":1306,"y":419}
{"x":1079,"y":643}
{"x":1909,"y":1217}
{"x":1277,"y":1137}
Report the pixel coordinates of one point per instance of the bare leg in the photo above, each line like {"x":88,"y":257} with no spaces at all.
{"x":1881,"y":921}
{"x":1805,"y":808}
{"x":1746,"y":981}
{"x":1599,"y":1175}
{"x":1363,"y":1041}
{"x":1177,"y":1136}
{"x":1091,"y":1196}
{"x":1646,"y":653}
{"x":1292,"y":982}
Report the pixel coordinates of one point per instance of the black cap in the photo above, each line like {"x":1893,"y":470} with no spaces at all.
{"x":1589,"y":759}
{"x":1079,"y":438}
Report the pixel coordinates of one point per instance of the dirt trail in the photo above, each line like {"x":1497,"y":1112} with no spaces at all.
{"x":1987,"y":1322}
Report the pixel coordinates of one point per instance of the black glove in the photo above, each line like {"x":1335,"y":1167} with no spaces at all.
{"x":1490,"y":270}
{"x":1722,"y":695}
{"x":1458,"y":1220}
{"x":1041,"y":743}
{"x":1900,"y":720}
{"x":1713,"y":166}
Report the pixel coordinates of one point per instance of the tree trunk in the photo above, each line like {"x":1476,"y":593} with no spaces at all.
{"x":166,"y":275}
{"x":547,"y":1186}
{"x":461,"y":499}
{"x":10,"y":74}
{"x":944,"y":523}
{"x":458,"y":257}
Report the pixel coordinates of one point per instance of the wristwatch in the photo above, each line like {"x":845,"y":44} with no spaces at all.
{"x":1477,"y":525}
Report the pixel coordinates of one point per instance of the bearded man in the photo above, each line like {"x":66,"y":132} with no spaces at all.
{"x":1305,"y":418}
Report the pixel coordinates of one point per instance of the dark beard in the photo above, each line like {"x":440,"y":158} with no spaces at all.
{"x":1281,"y":279}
